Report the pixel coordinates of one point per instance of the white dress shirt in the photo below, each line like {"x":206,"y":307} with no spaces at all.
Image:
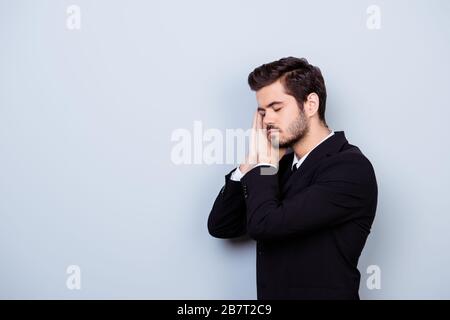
{"x":237,"y":174}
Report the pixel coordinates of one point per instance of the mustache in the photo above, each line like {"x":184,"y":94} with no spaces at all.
{"x":271,"y":127}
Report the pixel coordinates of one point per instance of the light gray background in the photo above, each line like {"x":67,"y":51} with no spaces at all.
{"x":86,"y":119}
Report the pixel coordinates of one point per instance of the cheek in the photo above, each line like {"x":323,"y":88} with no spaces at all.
{"x":286,"y":119}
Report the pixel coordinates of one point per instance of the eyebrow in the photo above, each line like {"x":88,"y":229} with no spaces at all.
{"x":270,"y":105}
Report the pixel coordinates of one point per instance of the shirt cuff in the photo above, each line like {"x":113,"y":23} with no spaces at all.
{"x":237,"y":174}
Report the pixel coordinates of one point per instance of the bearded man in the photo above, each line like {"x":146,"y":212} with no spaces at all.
{"x":309,"y":199}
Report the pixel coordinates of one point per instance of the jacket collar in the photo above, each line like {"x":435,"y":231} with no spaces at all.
{"x":330,"y":146}
{"x":296,"y":161}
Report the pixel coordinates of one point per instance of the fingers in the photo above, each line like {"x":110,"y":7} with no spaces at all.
{"x":255,"y":120}
{"x":253,"y":147}
{"x":259,"y":121}
{"x":274,"y":150}
{"x":263,"y":148}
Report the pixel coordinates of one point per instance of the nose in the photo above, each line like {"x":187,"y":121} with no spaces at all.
{"x":269,"y":118}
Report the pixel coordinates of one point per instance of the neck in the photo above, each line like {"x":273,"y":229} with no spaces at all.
{"x":310,"y":140}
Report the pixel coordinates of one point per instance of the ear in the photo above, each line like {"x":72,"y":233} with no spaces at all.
{"x":311,"y":105}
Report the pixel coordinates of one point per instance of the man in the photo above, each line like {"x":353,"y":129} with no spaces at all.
{"x":311,"y":219}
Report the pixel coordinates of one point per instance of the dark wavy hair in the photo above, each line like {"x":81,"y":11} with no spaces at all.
{"x":298,"y":77}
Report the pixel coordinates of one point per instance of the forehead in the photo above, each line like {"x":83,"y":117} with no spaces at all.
{"x":272,"y":92}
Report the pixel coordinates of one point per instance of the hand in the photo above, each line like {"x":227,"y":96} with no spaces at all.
{"x":252,"y":157}
{"x":268,"y":148}
{"x":262,"y":149}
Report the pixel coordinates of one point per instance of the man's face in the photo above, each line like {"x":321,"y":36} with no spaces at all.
{"x":281,"y":114}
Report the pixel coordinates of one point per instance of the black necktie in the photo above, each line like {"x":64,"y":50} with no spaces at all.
{"x":294,"y":168}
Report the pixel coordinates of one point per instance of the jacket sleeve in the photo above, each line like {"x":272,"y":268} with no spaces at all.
{"x":227,"y":218}
{"x":341,"y":189}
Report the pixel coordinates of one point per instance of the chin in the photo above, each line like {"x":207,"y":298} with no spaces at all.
{"x":284,"y":144}
{"x":287,"y":143}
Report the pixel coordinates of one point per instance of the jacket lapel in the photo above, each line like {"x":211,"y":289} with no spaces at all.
{"x":285,"y":168}
{"x":330,"y":146}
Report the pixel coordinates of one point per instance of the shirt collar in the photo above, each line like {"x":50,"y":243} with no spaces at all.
{"x":296,"y":161}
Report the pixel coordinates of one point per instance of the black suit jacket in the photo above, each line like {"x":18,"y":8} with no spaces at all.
{"x":310,"y":225}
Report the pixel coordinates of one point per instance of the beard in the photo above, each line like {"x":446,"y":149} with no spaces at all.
{"x":295,"y":132}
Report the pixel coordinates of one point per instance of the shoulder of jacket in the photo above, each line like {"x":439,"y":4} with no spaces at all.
{"x":351,"y":156}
